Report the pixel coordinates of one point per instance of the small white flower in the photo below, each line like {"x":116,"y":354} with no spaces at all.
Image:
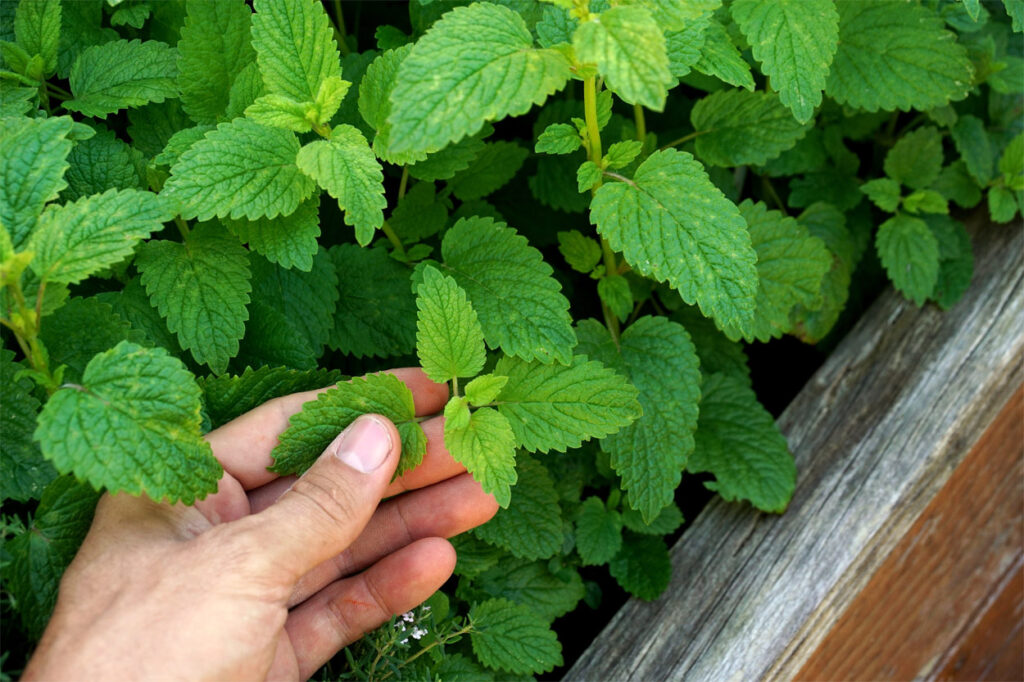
{"x":408,"y":616}
{"x":418,"y":632}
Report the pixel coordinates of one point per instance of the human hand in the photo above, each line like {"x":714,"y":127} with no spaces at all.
{"x":270,"y":576}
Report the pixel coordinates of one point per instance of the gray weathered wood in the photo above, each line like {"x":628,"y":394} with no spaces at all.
{"x":876,"y":432}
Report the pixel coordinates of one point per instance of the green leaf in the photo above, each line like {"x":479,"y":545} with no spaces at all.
{"x":376,"y":85}
{"x":925,"y":201}
{"x":1015,"y":10}
{"x":419,"y":214}
{"x":972,"y":142}
{"x":621,"y":154}
{"x":229,"y":396}
{"x":738,"y":442}
{"x":132,"y":304}
{"x":100,"y":163}
{"x":33,"y":155}
{"x":311,"y":430}
{"x":272,"y":339}
{"x":532,"y":584}
{"x":485,"y":389}
{"x":737,"y":127}
{"x":795,"y":41}
{"x":449,"y":341}
{"x":308,"y":299}
{"x":684,"y":47}
{"x":40,"y":554}
{"x":588,"y":175}
{"x":474,"y":556}
{"x":883,"y":192}
{"x":37,"y":28}
{"x":511,"y":637}
{"x":580,"y":252}
{"x":26,"y":473}
{"x":476,"y":64}
{"x":280,"y":111}
{"x":446,"y":163}
{"x":133,"y":425}
{"x":628,"y":47}
{"x":894,"y":55}
{"x":657,"y":357}
{"x":673,"y":15}
{"x":716,"y":352}
{"x":671,"y":223}
{"x":79,"y":330}
{"x":486,"y":447}
{"x":552,"y":407}
{"x":720,"y":58}
{"x":615,"y":293}
{"x":376,"y":314}
{"x":214,"y":48}
{"x":828,"y":224}
{"x":956,"y":184}
{"x":179,"y":143}
{"x":79,"y":239}
{"x":121,"y":75}
{"x":916,"y":159}
{"x":910,"y":255}
{"x":642,"y":567}
{"x":1012,"y":161}
{"x":491,"y":170}
{"x":290,"y":241}
{"x":456,"y":413}
{"x":1002,"y":205}
{"x":667,"y":521}
{"x":956,"y":265}
{"x":598,"y":532}
{"x":201,"y":287}
{"x":295,"y":47}
{"x":130,"y":15}
{"x":790,"y":266}
{"x":530,"y":525}
{"x":346,"y":167}
{"x":241,"y":169}
{"x":558,"y":138}
{"x":520,"y":306}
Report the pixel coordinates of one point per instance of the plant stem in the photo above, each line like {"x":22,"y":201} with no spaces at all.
{"x":392,"y":236}
{"x":684,"y":139}
{"x":339,"y":24}
{"x":182,"y":226}
{"x":641,"y":124}
{"x":425,"y":649}
{"x":770,"y":189}
{"x":403,"y":183}
{"x":57,"y":90}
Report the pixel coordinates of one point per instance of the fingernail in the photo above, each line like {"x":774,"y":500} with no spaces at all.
{"x":364,"y":445}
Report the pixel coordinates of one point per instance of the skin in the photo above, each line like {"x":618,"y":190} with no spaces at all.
{"x":268,"y":577}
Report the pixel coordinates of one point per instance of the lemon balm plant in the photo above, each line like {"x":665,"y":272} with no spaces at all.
{"x":206,"y":204}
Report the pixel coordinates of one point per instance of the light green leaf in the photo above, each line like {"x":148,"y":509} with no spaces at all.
{"x":329,"y":97}
{"x":376,"y":85}
{"x":519,"y":303}
{"x":493,"y":168}
{"x":530,"y":526}
{"x":280,"y":111}
{"x":676,"y":15}
{"x":37,"y":29}
{"x":121,"y":75}
{"x":895,"y":55}
{"x":737,"y":128}
{"x":720,"y":58}
{"x":598,"y":532}
{"x":485,"y":389}
{"x":883,"y":192}
{"x":621,"y":154}
{"x":615,"y":293}
{"x":532,"y":584}
{"x":916,"y":159}
{"x":925,"y":201}
{"x":628,"y":46}
{"x":33,"y":155}
{"x":449,"y":341}
{"x":684,"y":47}
{"x":1015,"y":9}
{"x":580,"y":252}
{"x":456,"y":413}
{"x":247,"y":88}
{"x":26,"y":473}
{"x":1002,"y":205}
{"x":202,"y":288}
{"x":214,"y":48}
{"x":133,"y":426}
{"x":558,"y":138}
{"x":241,"y":169}
{"x":642,"y":567}
{"x":972,"y":142}
{"x":289,"y":241}
{"x":587,"y":176}
{"x":795,"y":41}
{"x":295,"y":47}
{"x":346,"y":167}
{"x":1012,"y":161}
{"x":486,"y":447}
{"x":674,"y":225}
{"x":179,"y":143}
{"x":910,"y":254}
{"x":476,"y":64}
{"x":321,"y":420}
{"x":510,"y":637}
{"x":657,"y":357}
{"x":738,"y":442}
{"x":229,"y":396}
{"x":79,"y":239}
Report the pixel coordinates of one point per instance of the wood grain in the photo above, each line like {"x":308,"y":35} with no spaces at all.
{"x":917,"y":611}
{"x":876,"y":433}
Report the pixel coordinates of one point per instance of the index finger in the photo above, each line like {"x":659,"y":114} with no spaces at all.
{"x":244,"y":444}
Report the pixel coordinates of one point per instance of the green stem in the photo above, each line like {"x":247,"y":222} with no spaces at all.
{"x":403,"y":183}
{"x":427,"y":648}
{"x":455,"y":386}
{"x":590,"y":111}
{"x":57,"y":90}
{"x":339,"y":24}
{"x":182,"y":226}
{"x":392,"y":236}
{"x":770,"y":189}
{"x":684,"y":139}
{"x":641,"y":124}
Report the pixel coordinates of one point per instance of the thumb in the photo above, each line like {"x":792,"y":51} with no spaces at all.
{"x":329,"y":505}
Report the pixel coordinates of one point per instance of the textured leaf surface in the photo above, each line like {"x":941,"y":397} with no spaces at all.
{"x":37,"y":29}
{"x":667,"y":521}
{"x":273,"y":339}
{"x":420,"y":213}
{"x":531,"y":524}
{"x":307,"y":299}
{"x":321,"y":420}
{"x":520,"y":306}
{"x":229,"y":396}
{"x":582,"y":253}
{"x":289,"y":241}
{"x":598,"y":532}
{"x":376,"y":313}
{"x":486,"y":447}
{"x":449,"y":341}
{"x":720,"y":58}
{"x":972,"y":142}
{"x":79,"y":239}
{"x":795,"y":41}
{"x":657,"y":356}
{"x":495,"y":165}
{"x":916,"y":159}
{"x":738,"y":442}
{"x":553,"y":407}
{"x":674,"y":225}
{"x":895,"y":55}
{"x":628,"y":47}
{"x":883,"y":193}
{"x":100,"y":163}
{"x":510,"y":637}
{"x":295,"y":47}
{"x":828,"y":224}
{"x":642,"y":567}
{"x":80,"y":329}
{"x":476,"y":64}
{"x":214,"y":48}
{"x":122,"y":74}
{"x":241,"y":169}
{"x":558,"y":138}
{"x":133,"y":425}
{"x":531,"y":584}
{"x":132,"y":304}
{"x":739,"y":127}
{"x":26,"y":473}
{"x":715,"y":351}
{"x":910,"y":254}
{"x":346,"y":167}
{"x":201,"y":287}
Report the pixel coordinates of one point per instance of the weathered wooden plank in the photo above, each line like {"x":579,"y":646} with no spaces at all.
{"x":919,"y":607}
{"x":876,"y":433}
